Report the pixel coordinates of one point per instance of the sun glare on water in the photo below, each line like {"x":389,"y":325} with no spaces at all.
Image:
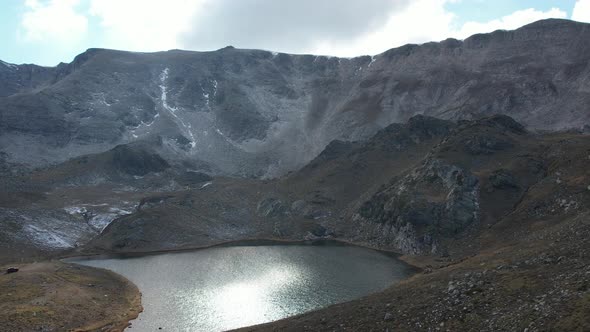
{"x":224,"y":288}
{"x":252,"y":300}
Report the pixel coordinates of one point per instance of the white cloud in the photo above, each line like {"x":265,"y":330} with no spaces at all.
{"x":336,"y":27}
{"x":581,"y":12}
{"x":144,"y":25}
{"x":286,"y":26}
{"x":420,"y":21}
{"x":53,"y":20}
{"x":428,"y":20}
{"x":508,"y":22}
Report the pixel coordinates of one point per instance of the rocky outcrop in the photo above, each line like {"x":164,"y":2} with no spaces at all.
{"x":397,"y":137}
{"x":24,"y":78}
{"x":490,"y":135}
{"x":503,"y":179}
{"x":272,"y":207}
{"x":137,"y":161}
{"x":414,"y":212}
{"x":193,"y":177}
{"x":153,"y":201}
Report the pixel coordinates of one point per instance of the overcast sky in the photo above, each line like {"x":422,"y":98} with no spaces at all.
{"x":47,"y":32}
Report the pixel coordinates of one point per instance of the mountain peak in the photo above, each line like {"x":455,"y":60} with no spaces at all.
{"x":227,"y":48}
{"x":553,"y":23}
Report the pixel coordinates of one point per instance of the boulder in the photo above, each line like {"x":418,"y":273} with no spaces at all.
{"x":502,"y":179}
{"x":272,"y":207}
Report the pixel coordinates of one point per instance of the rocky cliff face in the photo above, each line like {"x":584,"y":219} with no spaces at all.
{"x":460,"y":184}
{"x":436,"y":199}
{"x":428,"y":186}
{"x":258,"y":113}
{"x":16,"y":79}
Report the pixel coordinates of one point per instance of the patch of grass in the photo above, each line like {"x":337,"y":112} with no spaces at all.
{"x":34,"y":310}
{"x":76,"y":277}
{"x":515,"y":283}
{"x":14,"y":291}
{"x":26,"y":315}
{"x":473,"y":319}
{"x":578,"y":319}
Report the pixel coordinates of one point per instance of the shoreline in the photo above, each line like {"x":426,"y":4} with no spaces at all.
{"x":263,"y":241}
{"x":71,"y":259}
{"x":136,"y":307}
{"x":54,"y":295}
{"x":133,"y":313}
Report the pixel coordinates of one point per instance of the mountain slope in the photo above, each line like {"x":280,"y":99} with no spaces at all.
{"x":258,"y":113}
{"x":495,"y":214}
{"x":429,"y":187}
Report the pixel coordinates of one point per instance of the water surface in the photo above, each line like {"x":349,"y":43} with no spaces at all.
{"x":222,"y":288}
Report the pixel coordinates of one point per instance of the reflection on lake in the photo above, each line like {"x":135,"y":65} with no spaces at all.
{"x":229,"y":287}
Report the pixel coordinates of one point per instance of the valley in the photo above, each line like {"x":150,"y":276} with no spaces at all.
{"x":468,"y":158}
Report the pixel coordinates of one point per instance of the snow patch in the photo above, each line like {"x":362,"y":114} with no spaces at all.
{"x":142,"y":125}
{"x":47,"y":238}
{"x":100,"y":218}
{"x":9,"y":65}
{"x":172,"y":110}
{"x":149,"y":124}
{"x":99,"y":98}
{"x":119,"y":211}
{"x":75,"y":210}
{"x":206,"y":96}
{"x":373,"y":58}
{"x":101,"y":221}
{"x":227,"y":139}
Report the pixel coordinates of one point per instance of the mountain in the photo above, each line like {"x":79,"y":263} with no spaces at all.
{"x":256,"y":113}
{"x":467,"y":158}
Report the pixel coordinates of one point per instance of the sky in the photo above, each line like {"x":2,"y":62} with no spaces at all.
{"x":47,"y":32}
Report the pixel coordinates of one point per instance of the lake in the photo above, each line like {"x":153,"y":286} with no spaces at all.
{"x":227,"y":287}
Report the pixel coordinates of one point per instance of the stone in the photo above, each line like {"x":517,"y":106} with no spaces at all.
{"x":502,"y":179}
{"x":272,"y":207}
{"x":451,"y":287}
{"x":404,"y":215}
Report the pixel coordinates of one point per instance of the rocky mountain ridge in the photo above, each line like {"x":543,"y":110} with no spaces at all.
{"x":262,"y":114}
